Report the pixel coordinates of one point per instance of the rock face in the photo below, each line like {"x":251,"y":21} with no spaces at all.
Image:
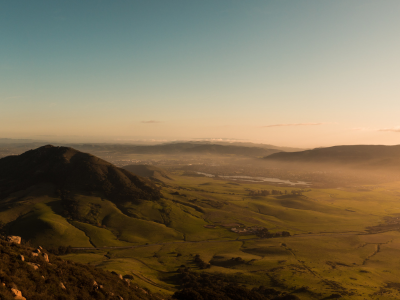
{"x":17,"y":294}
{"x":127,"y":281}
{"x":14,"y":239}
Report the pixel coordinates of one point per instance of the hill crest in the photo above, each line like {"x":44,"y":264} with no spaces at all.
{"x":369,"y":156}
{"x":70,"y":169}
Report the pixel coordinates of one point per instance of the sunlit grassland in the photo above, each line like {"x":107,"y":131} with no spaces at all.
{"x":100,"y":237}
{"x":330,"y":250}
{"x":42,"y":226}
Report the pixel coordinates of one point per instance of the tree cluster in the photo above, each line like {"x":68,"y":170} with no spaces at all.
{"x":255,"y":193}
{"x":201,"y":263}
{"x":205,"y":286}
{"x":265,"y":192}
{"x":264,"y":233}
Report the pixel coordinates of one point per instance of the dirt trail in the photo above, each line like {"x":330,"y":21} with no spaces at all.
{"x":221,"y":241}
{"x":333,"y":284}
{"x":149,"y":281}
{"x":377,"y":250}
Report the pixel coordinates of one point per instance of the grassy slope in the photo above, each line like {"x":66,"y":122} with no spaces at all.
{"x":42,"y":226}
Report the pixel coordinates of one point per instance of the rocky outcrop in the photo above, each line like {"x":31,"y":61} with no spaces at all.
{"x":14,"y":239}
{"x":119,"y":275}
{"x":17,"y":294}
{"x":60,"y":277}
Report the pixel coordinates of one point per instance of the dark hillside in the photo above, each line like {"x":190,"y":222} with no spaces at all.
{"x":369,"y":156}
{"x":69,"y":169}
{"x":147,"y":171}
{"x":39,"y":275}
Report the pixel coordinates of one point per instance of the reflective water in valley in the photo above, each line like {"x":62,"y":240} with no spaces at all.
{"x":256,"y":179}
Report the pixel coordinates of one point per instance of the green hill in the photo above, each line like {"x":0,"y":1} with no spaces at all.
{"x":56,"y":196}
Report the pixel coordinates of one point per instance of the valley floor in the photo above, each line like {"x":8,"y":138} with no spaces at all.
{"x":344,"y":242}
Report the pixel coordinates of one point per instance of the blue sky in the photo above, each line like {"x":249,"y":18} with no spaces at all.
{"x":295,"y":73}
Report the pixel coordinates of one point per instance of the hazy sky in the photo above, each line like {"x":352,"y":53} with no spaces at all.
{"x":295,"y":73}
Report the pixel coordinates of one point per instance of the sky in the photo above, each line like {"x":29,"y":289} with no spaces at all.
{"x":290,"y":73}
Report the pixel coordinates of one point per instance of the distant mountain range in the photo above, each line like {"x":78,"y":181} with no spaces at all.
{"x":180,"y":148}
{"x":364,"y":156}
{"x":184,"y":147}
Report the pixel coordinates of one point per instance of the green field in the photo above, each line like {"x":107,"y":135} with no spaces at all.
{"x":334,"y":247}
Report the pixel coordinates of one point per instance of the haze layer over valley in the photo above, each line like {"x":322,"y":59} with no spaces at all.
{"x":237,"y":218}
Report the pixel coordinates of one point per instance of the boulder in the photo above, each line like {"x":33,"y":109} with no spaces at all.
{"x":62,"y":286}
{"x":17,"y":294}
{"x":22,"y":257}
{"x":33,"y":265}
{"x":14,"y":239}
{"x":119,"y":275}
{"x":34,"y":254}
{"x":46,"y":257}
{"x":128,"y":276}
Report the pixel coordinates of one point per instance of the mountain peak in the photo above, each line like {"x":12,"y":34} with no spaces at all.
{"x":70,"y":169}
